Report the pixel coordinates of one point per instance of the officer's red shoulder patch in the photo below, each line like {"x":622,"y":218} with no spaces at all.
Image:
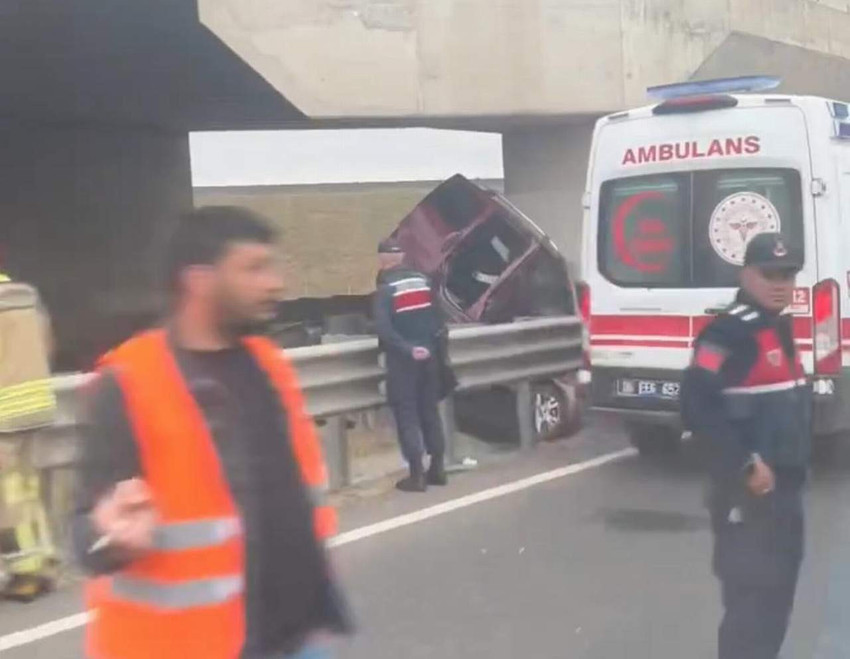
{"x":710,"y":357}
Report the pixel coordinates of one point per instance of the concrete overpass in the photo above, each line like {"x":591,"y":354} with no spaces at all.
{"x":539,"y":71}
{"x":98,"y":97}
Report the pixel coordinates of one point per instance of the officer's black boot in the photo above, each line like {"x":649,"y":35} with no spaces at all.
{"x":437,"y":471}
{"x":415,"y":482}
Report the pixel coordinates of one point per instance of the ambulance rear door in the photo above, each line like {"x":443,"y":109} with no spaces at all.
{"x":674,"y":200}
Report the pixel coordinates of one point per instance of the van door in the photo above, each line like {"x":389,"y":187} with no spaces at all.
{"x":671,"y":244}
{"x":428,"y":233}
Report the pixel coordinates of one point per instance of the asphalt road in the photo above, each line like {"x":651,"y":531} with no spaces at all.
{"x":600,"y":562}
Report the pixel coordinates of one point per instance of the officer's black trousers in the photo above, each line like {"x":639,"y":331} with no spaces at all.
{"x":413,"y":393}
{"x":757,"y":554}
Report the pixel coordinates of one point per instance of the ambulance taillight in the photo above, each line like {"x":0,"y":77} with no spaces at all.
{"x":827,"y":327}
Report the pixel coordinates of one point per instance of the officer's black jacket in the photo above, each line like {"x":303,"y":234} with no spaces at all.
{"x":404,"y":311}
{"x":745,"y":392}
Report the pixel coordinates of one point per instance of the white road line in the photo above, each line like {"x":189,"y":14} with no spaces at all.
{"x":479,"y":497}
{"x":34,"y":634}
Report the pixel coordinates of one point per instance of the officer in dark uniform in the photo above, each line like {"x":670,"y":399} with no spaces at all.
{"x":409,"y":328}
{"x":745,"y":394}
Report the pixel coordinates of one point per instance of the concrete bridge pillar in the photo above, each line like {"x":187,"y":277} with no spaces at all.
{"x":545,"y":171}
{"x":83,"y":212}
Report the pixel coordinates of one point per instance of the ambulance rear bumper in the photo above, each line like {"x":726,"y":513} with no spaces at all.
{"x":666,"y":419}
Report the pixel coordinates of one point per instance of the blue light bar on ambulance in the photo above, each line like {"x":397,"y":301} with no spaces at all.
{"x":840,"y":114}
{"x":691,"y":104}
{"x":740,"y":85}
{"x":839,"y":110}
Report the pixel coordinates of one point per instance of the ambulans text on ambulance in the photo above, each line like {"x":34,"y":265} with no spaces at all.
{"x":672,"y":151}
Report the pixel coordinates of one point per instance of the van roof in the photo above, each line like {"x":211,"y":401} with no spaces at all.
{"x":743,"y":100}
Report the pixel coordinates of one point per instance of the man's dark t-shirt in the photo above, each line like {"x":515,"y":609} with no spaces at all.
{"x":288,"y":592}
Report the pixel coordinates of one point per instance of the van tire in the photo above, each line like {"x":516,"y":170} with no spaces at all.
{"x":550,"y":411}
{"x":652,"y":440}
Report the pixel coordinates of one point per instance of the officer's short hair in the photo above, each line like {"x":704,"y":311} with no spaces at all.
{"x":203,"y":236}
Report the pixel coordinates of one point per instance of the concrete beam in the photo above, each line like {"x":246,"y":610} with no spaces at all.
{"x":432,"y":59}
{"x":803,"y":71}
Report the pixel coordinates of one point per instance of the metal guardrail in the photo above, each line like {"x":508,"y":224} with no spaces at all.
{"x":347,"y":377}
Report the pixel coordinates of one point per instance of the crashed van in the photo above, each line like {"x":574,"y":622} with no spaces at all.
{"x":489,"y":263}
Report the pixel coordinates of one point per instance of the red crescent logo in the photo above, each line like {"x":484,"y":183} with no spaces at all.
{"x":621,"y":246}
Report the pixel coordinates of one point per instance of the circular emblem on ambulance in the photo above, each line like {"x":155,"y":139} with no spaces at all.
{"x":737,"y":220}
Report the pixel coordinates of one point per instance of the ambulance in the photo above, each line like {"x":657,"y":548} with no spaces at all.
{"x":675,"y":191}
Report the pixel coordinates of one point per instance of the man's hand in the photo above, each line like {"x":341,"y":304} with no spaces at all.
{"x":421,"y":354}
{"x":761,"y":480}
{"x":126,"y":518}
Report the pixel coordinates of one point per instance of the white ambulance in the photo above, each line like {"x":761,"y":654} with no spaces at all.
{"x":674,"y":193}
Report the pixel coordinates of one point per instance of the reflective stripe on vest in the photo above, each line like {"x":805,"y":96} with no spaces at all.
{"x":177,"y":537}
{"x":176,"y":596}
{"x":26,"y":398}
{"x":181,"y":536}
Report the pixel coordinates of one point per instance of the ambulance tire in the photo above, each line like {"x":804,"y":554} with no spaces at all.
{"x":653,"y":440}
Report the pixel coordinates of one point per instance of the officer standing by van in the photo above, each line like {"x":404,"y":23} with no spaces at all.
{"x":745,"y":394}
{"x":410,"y":328}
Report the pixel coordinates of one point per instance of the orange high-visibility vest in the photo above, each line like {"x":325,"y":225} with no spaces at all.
{"x":185,"y":598}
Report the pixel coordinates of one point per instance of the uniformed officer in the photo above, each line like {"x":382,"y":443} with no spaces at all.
{"x":409,"y":328}
{"x":745,"y":394}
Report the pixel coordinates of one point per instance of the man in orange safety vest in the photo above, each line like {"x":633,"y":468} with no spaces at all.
{"x":201,"y":514}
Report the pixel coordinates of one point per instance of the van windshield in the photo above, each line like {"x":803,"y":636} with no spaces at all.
{"x":690,"y":229}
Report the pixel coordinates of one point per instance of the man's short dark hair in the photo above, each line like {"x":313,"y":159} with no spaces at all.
{"x":203,"y":236}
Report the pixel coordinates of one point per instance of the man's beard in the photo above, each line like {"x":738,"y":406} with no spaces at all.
{"x":237,"y":329}
{"x":235,"y":325}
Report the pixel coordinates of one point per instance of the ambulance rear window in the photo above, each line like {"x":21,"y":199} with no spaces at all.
{"x":690,"y":229}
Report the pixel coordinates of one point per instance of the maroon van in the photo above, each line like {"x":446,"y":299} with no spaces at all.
{"x":491,"y":264}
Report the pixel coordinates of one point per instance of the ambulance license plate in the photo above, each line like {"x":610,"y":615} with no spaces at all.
{"x":632,"y":388}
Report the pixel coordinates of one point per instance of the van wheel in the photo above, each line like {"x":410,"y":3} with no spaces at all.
{"x":652,"y":440}
{"x":548,"y":411}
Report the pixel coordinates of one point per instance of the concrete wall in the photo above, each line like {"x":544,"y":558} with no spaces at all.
{"x":84,"y":213}
{"x":545,"y":172}
{"x":429,"y":59}
{"x":328,"y":233}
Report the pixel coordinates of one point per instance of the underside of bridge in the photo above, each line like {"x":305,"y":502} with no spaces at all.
{"x":99,"y":95}
{"x":539,"y":71}
{"x":98,"y":98}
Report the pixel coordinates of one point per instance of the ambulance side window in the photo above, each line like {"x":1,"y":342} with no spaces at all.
{"x":644,"y":230}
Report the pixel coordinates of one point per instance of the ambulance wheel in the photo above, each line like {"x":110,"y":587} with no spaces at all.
{"x":652,"y":440}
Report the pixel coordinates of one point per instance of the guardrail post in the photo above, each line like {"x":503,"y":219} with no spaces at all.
{"x":447,"y":417}
{"x":524,"y":415}
{"x":335,"y":443}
